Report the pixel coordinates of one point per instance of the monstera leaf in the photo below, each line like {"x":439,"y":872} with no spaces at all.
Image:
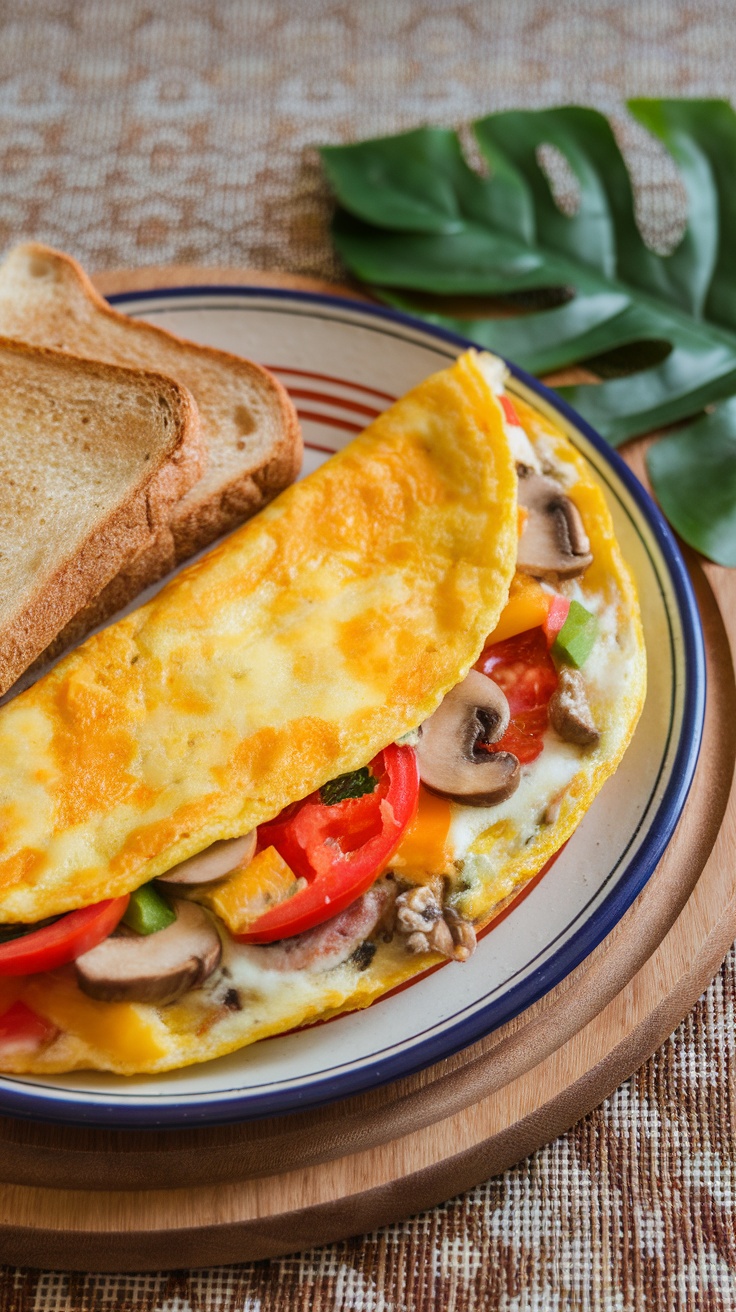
{"x":415,"y":218}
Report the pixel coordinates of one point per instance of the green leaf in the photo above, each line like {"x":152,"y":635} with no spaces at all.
{"x":695,"y":469}
{"x":355,"y":784}
{"x":415,"y":218}
{"x":415,"y":182}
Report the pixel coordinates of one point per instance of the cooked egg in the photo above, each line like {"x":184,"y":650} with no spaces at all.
{"x":328,"y":627}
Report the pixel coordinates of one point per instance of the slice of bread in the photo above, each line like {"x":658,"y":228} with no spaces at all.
{"x":248,"y":422}
{"x":93,"y":457}
{"x":154,"y":562}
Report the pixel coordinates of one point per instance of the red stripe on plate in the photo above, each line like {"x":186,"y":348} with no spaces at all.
{"x":304,"y":394}
{"x":327,"y":450}
{"x":329,"y":378}
{"x":332,"y":420}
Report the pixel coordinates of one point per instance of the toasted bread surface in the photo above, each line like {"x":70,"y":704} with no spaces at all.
{"x":247,"y":419}
{"x":152,"y":563}
{"x":92,"y":459}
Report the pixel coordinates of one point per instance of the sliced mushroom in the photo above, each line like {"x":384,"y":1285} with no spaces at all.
{"x":569,"y":711}
{"x":452,"y":761}
{"x":553,"y":540}
{"x":333,"y":942}
{"x":156,"y":968}
{"x":216,"y":861}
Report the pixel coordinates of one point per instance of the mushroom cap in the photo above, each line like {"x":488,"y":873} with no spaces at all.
{"x":156,"y":968}
{"x":553,"y":540}
{"x":214,"y":862}
{"x":451,"y":760}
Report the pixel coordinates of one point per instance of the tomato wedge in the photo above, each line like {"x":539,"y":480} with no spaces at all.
{"x":22,"y":1027}
{"x":65,"y":940}
{"x":340,"y":849}
{"x":523,"y":668}
{"x":558,"y":611}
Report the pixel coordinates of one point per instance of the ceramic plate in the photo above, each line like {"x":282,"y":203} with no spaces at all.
{"x":343,"y":363}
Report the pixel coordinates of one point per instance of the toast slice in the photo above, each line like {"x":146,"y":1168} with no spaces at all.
{"x":248,"y":422}
{"x":92,"y":459}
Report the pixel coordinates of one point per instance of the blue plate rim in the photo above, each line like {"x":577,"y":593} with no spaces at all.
{"x":41,"y":1104}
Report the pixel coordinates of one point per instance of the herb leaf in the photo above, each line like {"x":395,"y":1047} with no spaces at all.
{"x":355,"y":784}
{"x":416,"y":219}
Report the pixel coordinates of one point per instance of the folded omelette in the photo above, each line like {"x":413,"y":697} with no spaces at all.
{"x":325,"y":755}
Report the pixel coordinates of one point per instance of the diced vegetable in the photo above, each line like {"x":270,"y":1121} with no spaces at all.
{"x":507,"y":406}
{"x":22,"y":1027}
{"x":527,"y":607}
{"x":247,"y":894}
{"x":147,"y":911}
{"x":576,"y":638}
{"x":558,"y":612}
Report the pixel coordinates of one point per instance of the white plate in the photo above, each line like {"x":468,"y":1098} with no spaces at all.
{"x":344,"y":362}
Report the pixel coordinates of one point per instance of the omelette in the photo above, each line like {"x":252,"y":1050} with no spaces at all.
{"x":324,"y":756}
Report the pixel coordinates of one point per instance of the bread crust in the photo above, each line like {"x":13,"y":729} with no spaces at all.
{"x":201,"y":515}
{"x":151,"y":564}
{"x":127,"y":529}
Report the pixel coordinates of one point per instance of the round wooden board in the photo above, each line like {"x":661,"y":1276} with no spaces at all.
{"x":86,"y":1199}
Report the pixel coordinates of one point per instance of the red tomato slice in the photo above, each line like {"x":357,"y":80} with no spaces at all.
{"x":523,"y":668}
{"x":65,"y":940}
{"x":22,"y":1026}
{"x":340,"y":850}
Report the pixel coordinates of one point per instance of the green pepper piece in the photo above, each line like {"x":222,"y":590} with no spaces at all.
{"x":576,"y":638}
{"x":147,"y":911}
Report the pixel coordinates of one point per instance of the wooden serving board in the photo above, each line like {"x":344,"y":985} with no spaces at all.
{"x":89,"y":1199}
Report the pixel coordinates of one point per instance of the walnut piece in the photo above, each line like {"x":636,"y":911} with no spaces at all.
{"x":418,"y":909}
{"x":428,"y":927}
{"x":462,"y":933}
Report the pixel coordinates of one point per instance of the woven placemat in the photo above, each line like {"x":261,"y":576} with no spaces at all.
{"x":183,"y":132}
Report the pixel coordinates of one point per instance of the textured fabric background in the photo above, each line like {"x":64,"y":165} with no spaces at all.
{"x":135,"y":133}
